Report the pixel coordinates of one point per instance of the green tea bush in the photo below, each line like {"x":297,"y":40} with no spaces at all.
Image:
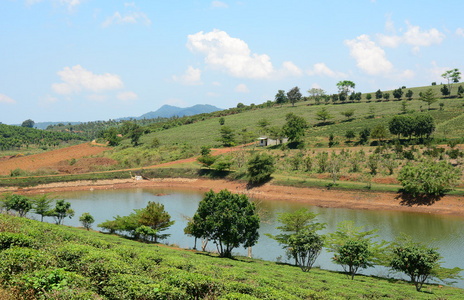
{"x":9,"y":239}
{"x":16,"y":259}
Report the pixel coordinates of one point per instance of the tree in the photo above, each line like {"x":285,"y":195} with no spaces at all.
{"x":61,"y":211}
{"x":409,"y":94}
{"x":379,"y":132}
{"x":419,"y":261}
{"x":19,"y":203}
{"x":424,"y":125}
{"x":280,"y":97}
{"x":345,"y":87}
{"x":445,"y":90}
{"x":111,"y":135}
{"x":428,"y":97}
{"x":460,"y":91}
{"x":451,"y":76}
{"x":227,"y":136}
{"x":295,"y":127}
{"x":364,"y":135}
{"x":28,"y":123}
{"x":335,"y":98}
{"x":135,"y":133}
{"x":428,"y":178}
{"x":230,"y":220}
{"x":378,"y":94}
{"x":87,"y":220}
{"x":353,"y":248}
{"x":386,"y":96}
{"x":300,"y":221}
{"x":206,"y":158}
{"x":398,"y":93}
{"x":348,"y":113}
{"x":294,"y":95}
{"x":42,"y":205}
{"x":221,"y":121}
{"x":350,"y":135}
{"x":305,"y":246}
{"x":368,"y":97}
{"x":263,"y":124}
{"x":260,"y":167}
{"x":404,"y":106}
{"x":323,"y":115}
{"x":316,"y":94}
{"x":155,"y":217}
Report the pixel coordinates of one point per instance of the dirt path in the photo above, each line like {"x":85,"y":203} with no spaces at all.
{"x":448,"y":205}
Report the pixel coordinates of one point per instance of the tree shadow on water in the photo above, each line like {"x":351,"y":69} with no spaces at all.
{"x":419,"y":200}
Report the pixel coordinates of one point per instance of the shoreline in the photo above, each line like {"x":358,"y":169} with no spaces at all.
{"x":365,"y":200}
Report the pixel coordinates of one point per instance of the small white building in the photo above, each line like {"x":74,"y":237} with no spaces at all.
{"x":266,"y":141}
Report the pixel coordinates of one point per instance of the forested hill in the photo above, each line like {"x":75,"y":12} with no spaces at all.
{"x":17,"y":137}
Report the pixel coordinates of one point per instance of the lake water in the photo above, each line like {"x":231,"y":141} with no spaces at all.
{"x":444,"y":232}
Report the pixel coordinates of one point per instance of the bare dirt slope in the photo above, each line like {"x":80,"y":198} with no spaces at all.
{"x":50,"y":159}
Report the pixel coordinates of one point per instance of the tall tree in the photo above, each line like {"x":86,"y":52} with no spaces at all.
{"x":398,"y":93}
{"x":155,"y":217}
{"x":280,"y":97}
{"x":428,"y":97}
{"x":293,"y":223}
{"x":378,"y":94}
{"x":294,"y":95}
{"x":323,"y":115}
{"x":28,"y":123}
{"x":353,"y":248}
{"x":42,"y":205}
{"x":87,"y":220}
{"x":295,"y":127}
{"x":445,"y":90}
{"x":345,"y":87}
{"x":260,"y":167}
{"x":452,"y":76}
{"x":227,"y":136}
{"x":409,"y":94}
{"x":230,"y":220}
{"x":61,"y":211}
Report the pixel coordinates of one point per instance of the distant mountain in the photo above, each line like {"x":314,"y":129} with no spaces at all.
{"x":44,"y":125}
{"x":167,"y":111}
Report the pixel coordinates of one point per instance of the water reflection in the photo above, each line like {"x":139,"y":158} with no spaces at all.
{"x":446,"y":232}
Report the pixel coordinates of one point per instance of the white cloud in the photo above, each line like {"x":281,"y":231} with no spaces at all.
{"x":6,"y":99}
{"x":413,"y":36}
{"x":289,"y":68}
{"x":76,"y":79}
{"x":229,"y":54}
{"x":128,"y":18}
{"x":218,"y":4}
{"x":369,"y":57}
{"x":242,"y":88}
{"x":460,"y":32}
{"x":191,"y":76}
{"x":127,"y":96}
{"x":322,"y":70}
{"x":435,"y":71}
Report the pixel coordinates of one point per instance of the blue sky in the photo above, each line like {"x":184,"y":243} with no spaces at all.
{"x":85,"y":60}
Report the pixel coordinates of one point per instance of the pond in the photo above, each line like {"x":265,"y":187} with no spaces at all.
{"x":444,"y":232}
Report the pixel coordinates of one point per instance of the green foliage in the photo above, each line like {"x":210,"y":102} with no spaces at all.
{"x":398,"y":93}
{"x":206,"y":160}
{"x":61,"y":211}
{"x":299,"y":236}
{"x":222,"y":121}
{"x":19,"y":203}
{"x":227,"y":219}
{"x":419,"y":261}
{"x":428,"y":178}
{"x":294,"y":95}
{"x":409,"y":94}
{"x":280,"y":97}
{"x":345,"y":86}
{"x":295,"y":127}
{"x":350,"y":135}
{"x":87,"y":220}
{"x":323,"y":115}
{"x":155,"y":217}
{"x":28,"y":123}
{"x":379,"y":132}
{"x":260,"y":167}
{"x":227,"y":136}
{"x":42,"y":205}
{"x":429,"y":97}
{"x":353,"y":248}
{"x":445,"y":90}
{"x":348,"y":113}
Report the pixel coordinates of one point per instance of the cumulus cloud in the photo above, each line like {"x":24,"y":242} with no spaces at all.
{"x":289,"y":68}
{"x":321,"y":69}
{"x":77,"y":79}
{"x":6,"y":99}
{"x":229,"y":54}
{"x":218,"y":4}
{"x":369,"y":57}
{"x":436,"y":71}
{"x":127,"y":18}
{"x":191,"y":76}
{"x":242,"y":88}
{"x":460,"y":32}
{"x":413,"y":36}
{"x":127,"y":96}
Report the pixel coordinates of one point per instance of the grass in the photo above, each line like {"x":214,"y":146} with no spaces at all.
{"x":92,"y":265}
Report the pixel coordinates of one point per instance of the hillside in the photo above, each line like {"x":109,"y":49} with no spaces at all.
{"x":63,"y":263}
{"x":168,"y":111}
